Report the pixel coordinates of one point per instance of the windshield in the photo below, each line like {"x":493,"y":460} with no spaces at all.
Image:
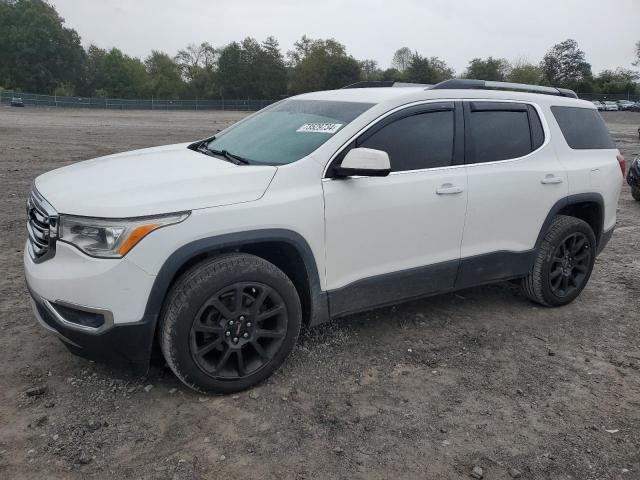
{"x":287,"y":131}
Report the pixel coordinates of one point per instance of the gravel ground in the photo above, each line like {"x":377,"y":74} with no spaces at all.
{"x":430,"y":389}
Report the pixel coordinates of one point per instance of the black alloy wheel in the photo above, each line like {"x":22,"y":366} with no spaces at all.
{"x":563,"y":264}
{"x":238,"y":330}
{"x":570,"y":265}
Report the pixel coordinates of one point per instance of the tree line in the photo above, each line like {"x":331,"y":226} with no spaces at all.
{"x":39,"y":54}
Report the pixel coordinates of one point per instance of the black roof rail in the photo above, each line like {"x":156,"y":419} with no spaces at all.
{"x":464,"y":84}
{"x":383,"y":83}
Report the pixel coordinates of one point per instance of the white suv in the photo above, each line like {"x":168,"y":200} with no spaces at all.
{"x":320,"y":205}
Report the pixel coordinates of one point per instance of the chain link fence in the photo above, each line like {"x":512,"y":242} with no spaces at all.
{"x":34,"y":99}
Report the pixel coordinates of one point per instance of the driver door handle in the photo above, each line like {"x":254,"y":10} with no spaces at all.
{"x":449,"y":189}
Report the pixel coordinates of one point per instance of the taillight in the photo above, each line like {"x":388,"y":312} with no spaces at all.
{"x":623,"y":167}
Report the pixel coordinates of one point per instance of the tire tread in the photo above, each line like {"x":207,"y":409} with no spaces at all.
{"x":532,"y":283}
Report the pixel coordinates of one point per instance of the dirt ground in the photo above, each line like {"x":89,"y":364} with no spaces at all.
{"x":429,"y":389}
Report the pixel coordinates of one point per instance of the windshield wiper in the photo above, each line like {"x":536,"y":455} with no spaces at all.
{"x":230,"y":157}
{"x":202,"y":147}
{"x":237,"y":159}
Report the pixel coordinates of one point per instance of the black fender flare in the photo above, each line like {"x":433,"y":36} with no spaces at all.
{"x":565,"y":202}
{"x":189,"y":251}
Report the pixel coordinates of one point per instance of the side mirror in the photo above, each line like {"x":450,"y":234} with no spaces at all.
{"x":365,"y":162}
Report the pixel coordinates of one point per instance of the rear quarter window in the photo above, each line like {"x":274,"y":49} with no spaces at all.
{"x":583,"y":128}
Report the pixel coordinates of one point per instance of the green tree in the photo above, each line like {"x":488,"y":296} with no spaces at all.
{"x":370,"y":70}
{"x":197,"y":65}
{"x":251,"y":70}
{"x":620,"y":80}
{"x":525,"y":72}
{"x":37,"y":52}
{"x":64,"y":90}
{"x":430,"y":70}
{"x":391,"y":74}
{"x":271,"y":70}
{"x":321,"y":65}
{"x":565,"y":65}
{"x":114,"y":73}
{"x":231,"y":71}
{"x":165,"y":80}
{"x":92,"y":70}
{"x":401,"y":59}
{"x":490,"y":68}
{"x":196,"y":57}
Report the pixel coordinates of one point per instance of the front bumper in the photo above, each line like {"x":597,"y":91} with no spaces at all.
{"x":127,"y":345}
{"x":116,"y":290}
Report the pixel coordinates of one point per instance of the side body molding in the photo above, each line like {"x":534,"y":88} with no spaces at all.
{"x":319,"y":308}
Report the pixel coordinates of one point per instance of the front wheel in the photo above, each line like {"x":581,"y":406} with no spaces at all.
{"x":229,"y":323}
{"x":635,"y":193}
{"x":564,"y":263}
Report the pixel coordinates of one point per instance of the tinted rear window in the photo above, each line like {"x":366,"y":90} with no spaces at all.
{"x":583,"y":128}
{"x":499,"y":135}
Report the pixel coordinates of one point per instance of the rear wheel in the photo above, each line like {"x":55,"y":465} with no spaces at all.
{"x":564,"y":263}
{"x":230,"y":323}
{"x":635,"y":193}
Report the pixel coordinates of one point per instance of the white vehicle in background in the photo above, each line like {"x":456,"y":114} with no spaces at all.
{"x":599,"y":105}
{"x":625,"y":104}
{"x":321,"y":205}
{"x":610,"y":106}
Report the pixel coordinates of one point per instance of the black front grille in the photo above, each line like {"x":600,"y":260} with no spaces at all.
{"x":39,"y":225}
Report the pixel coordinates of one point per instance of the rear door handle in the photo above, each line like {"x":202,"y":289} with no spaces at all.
{"x":449,"y":189}
{"x":551,"y":179}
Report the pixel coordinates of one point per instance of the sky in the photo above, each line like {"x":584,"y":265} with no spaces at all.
{"x":454,"y":30}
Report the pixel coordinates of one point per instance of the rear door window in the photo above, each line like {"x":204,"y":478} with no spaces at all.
{"x":500,"y":131}
{"x":583,"y":128}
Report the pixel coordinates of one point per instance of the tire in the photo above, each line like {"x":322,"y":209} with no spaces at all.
{"x":564,"y":263}
{"x":229,"y":323}
{"x":635,"y":193}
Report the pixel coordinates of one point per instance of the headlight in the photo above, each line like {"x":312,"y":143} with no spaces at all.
{"x":111,"y":238}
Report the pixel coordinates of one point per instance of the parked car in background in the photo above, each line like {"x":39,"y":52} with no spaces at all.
{"x":625,"y":104}
{"x":599,"y":105}
{"x":635,"y":107}
{"x":17,"y":102}
{"x":633,"y":178}
{"x":610,"y":106}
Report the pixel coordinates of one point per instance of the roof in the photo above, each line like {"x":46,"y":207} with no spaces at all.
{"x":402,"y":95}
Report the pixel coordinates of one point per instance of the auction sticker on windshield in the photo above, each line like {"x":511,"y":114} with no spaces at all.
{"x":320,"y":127}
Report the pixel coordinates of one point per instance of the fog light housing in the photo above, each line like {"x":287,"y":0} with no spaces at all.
{"x":79,"y":317}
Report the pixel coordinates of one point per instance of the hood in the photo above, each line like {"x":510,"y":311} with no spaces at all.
{"x":151,"y":181}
